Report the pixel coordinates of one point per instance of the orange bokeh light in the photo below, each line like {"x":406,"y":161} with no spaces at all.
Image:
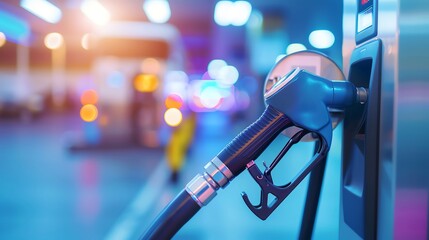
{"x":146,"y":83}
{"x":173,"y":101}
{"x":89,"y":97}
{"x":89,"y":113}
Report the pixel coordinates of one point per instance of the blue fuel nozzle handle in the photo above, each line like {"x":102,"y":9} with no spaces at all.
{"x":299,"y":99}
{"x":306,"y":98}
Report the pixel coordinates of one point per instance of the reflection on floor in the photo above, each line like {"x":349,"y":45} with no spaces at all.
{"x":48,"y":192}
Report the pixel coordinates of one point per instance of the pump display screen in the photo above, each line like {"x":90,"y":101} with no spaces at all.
{"x":365,"y":14}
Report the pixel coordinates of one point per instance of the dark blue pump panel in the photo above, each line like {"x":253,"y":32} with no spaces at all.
{"x":360,"y":144}
{"x":366,"y":20}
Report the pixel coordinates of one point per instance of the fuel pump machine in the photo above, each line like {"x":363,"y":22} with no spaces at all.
{"x":384,"y":177}
{"x":361,"y":130}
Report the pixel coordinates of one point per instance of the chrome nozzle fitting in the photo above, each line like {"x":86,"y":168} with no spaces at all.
{"x":203,"y":187}
{"x":361,"y":95}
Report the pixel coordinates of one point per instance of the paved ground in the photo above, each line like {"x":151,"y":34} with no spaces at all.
{"x":48,"y":192}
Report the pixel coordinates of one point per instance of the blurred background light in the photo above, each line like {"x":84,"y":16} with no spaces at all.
{"x":232,"y":13}
{"x":173,"y":101}
{"x":116,"y":79}
{"x":214,"y":67}
{"x":242,"y":11}
{"x":15,"y":28}
{"x":42,"y":9}
{"x":85,"y":41}
{"x":2,"y":39}
{"x":89,"y":96}
{"x":151,"y":65}
{"x":223,"y":13}
{"x":228,"y":75}
{"x":321,"y":39}
{"x":157,"y":11}
{"x":53,"y":40}
{"x":89,"y":113}
{"x":95,"y":11}
{"x":173,"y":117}
{"x":243,"y":100}
{"x":146,"y":83}
{"x":295,"y":47}
{"x":256,"y":20}
{"x":210,"y":97}
{"x":176,"y":82}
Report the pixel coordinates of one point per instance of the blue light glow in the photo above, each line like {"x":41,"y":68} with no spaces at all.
{"x":43,"y":9}
{"x":209,"y":95}
{"x":116,"y":79}
{"x":15,"y":29}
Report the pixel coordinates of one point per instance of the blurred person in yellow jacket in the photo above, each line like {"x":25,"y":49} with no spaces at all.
{"x":179,"y":144}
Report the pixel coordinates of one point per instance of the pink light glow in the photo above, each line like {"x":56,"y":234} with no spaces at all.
{"x":411,"y":209}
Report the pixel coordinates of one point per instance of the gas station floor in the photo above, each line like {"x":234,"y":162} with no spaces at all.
{"x":49,"y":192}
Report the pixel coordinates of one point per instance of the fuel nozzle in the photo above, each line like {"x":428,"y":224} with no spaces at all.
{"x":307,"y":99}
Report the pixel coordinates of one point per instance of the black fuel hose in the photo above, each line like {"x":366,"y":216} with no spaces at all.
{"x":172,"y":218}
{"x":247,"y":146}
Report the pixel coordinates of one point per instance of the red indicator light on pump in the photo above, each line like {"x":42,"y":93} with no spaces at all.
{"x":363,"y":2}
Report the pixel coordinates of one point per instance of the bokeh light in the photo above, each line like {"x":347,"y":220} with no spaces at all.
{"x":89,"y":113}
{"x":295,"y":47}
{"x":54,"y":40}
{"x":43,"y":9}
{"x":116,"y":79}
{"x":151,"y":65}
{"x":210,"y":97}
{"x":95,"y":11}
{"x":173,"y":101}
{"x":157,"y":11}
{"x":176,"y":82}
{"x":2,"y":39}
{"x":232,"y":13}
{"x":321,"y":39}
{"x":89,"y":96}
{"x":85,"y":41}
{"x":146,"y":83}
{"x":214,"y":67}
{"x":222,"y":13}
{"x":242,"y":11}
{"x":228,"y":75}
{"x":173,"y":117}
